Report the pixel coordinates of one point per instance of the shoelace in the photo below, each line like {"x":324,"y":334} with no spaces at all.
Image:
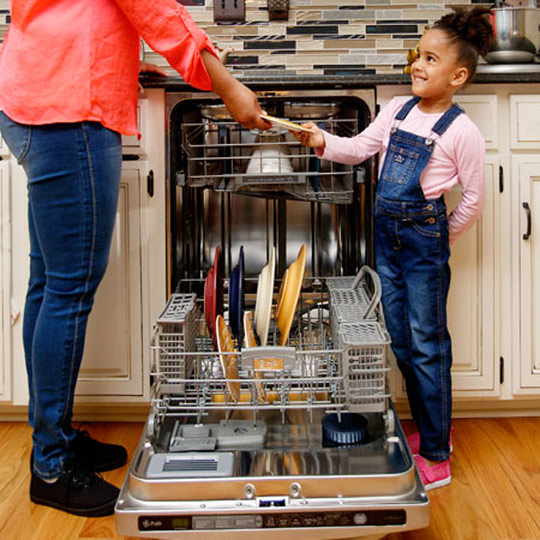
{"x":81,"y":473}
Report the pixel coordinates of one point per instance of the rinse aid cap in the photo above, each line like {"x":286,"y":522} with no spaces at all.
{"x":351,"y":430}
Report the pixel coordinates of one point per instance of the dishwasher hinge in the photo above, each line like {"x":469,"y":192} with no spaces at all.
{"x":501,"y":370}
{"x":150,"y":183}
{"x":501,"y":179}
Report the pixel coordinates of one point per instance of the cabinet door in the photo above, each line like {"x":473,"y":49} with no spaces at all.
{"x":5,"y":282}
{"x":113,"y":357}
{"x":472,"y":302}
{"x":526,"y":267}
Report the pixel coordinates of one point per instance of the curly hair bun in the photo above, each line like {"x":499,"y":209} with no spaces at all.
{"x":470,"y":25}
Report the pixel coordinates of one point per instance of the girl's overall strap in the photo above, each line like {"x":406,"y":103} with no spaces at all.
{"x":446,"y":119}
{"x":406,"y":109}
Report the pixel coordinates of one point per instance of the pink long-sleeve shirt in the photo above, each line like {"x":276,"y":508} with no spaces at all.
{"x":458,"y":157}
{"x":77,"y":60}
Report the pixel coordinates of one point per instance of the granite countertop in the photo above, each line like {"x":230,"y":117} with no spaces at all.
{"x":266,"y":82}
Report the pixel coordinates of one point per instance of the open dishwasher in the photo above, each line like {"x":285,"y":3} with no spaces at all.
{"x":300,"y":439}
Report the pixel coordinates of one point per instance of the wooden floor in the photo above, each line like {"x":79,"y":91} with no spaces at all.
{"x":494,"y":494}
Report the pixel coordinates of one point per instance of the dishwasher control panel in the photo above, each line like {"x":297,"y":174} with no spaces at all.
{"x":368,"y":518}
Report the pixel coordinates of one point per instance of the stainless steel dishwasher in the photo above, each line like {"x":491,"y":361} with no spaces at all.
{"x":311,"y":448}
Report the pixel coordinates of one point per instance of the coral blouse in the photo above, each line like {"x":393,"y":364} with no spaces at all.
{"x":76,"y":60}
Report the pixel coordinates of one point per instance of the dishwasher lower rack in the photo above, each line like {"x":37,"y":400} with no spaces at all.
{"x":326,"y":365}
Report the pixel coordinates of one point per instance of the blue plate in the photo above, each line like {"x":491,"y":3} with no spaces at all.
{"x":236,"y":298}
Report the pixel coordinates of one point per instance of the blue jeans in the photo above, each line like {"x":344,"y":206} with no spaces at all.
{"x":73,"y":175}
{"x":412,"y":252}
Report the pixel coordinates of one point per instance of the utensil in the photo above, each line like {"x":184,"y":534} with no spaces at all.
{"x":516,"y":35}
{"x":289,"y":294}
{"x":263,"y":303}
{"x":229,"y":362}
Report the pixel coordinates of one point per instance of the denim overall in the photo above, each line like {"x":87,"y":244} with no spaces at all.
{"x":412,"y":252}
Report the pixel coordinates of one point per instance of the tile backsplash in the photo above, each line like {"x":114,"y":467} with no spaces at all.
{"x":319,"y":37}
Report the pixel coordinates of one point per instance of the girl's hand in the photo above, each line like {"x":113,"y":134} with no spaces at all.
{"x":315,"y":139}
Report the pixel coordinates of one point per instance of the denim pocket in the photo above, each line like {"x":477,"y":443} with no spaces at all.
{"x":17,"y":136}
{"x":401,"y":163}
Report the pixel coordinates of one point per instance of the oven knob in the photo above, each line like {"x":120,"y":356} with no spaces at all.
{"x":360,"y":518}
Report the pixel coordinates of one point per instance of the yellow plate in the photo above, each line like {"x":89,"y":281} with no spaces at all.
{"x":289,"y":294}
{"x":229,"y":362}
{"x":285,"y":123}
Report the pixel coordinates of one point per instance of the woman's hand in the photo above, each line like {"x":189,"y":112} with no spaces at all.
{"x":147,"y":67}
{"x":244,"y":107}
{"x":313,"y":139}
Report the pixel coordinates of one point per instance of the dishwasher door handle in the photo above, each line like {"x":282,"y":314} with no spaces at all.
{"x":527,"y":208}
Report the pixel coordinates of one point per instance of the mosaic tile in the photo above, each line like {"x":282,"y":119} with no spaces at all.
{"x":369,"y":35}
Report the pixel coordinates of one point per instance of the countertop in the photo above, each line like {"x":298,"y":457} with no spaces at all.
{"x":265,"y":82}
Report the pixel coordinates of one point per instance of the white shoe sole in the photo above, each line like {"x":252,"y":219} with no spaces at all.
{"x":439,"y":483}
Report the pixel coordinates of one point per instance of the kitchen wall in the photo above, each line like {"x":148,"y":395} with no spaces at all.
{"x":320,"y":37}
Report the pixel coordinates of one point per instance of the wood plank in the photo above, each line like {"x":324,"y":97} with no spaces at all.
{"x":494,"y":494}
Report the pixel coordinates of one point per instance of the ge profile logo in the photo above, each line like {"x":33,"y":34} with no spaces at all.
{"x":150,"y":523}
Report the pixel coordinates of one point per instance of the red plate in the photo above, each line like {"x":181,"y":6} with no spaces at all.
{"x":213,"y":294}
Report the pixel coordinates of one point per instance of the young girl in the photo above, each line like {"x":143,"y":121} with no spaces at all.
{"x":429,"y":145}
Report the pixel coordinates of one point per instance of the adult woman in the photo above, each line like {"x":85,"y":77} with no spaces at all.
{"x":68,"y":89}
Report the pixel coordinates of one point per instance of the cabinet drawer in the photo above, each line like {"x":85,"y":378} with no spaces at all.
{"x":131,"y":144}
{"x":525,"y":122}
{"x":482,"y":110}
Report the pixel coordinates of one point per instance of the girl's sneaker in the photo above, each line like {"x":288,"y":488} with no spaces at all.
{"x":433,"y":476}
{"x":414,"y":442}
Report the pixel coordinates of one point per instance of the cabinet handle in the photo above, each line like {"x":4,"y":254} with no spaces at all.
{"x":527,"y":208}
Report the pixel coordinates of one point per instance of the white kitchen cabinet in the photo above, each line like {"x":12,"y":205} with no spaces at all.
{"x":5,"y":281}
{"x":115,"y":354}
{"x":115,"y":367}
{"x":133,"y":292}
{"x":474,"y":299}
{"x":526,"y":266}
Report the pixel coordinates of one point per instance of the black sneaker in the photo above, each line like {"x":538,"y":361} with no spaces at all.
{"x":77,"y":491}
{"x":101,"y":456}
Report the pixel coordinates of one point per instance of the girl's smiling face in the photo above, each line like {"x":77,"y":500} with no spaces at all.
{"x":437,"y":74}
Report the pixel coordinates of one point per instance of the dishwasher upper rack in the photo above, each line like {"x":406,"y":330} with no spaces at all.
{"x":335,"y":367}
{"x":227,"y":157}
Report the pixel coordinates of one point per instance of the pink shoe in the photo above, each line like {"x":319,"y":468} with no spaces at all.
{"x":433,"y":476}
{"x":414,"y":442}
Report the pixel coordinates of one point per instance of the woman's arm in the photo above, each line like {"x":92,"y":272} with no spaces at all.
{"x":169,"y":29}
{"x":240,"y":101}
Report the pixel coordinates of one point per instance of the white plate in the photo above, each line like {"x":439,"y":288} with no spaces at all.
{"x":284,"y":123}
{"x":263,"y":304}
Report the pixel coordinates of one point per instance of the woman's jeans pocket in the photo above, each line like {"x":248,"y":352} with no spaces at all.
{"x":17,"y":136}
